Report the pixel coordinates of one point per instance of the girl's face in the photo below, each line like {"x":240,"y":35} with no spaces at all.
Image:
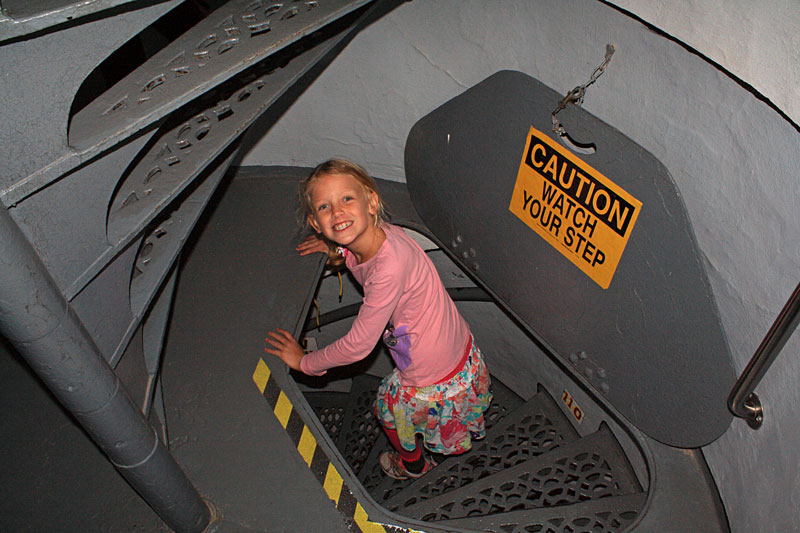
{"x":343,"y":211}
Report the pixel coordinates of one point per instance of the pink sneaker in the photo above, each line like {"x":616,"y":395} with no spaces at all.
{"x":392,"y":465}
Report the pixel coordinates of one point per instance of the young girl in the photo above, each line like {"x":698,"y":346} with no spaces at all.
{"x":437,"y":395}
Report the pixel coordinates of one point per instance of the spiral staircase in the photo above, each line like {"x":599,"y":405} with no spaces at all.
{"x":143,"y":267}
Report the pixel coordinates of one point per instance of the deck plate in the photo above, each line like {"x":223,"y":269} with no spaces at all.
{"x":652,"y":342}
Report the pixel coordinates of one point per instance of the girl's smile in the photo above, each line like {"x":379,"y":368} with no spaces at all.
{"x":344,"y":211}
{"x":342,"y":226}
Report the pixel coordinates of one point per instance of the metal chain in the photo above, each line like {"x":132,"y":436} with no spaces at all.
{"x":576,"y":95}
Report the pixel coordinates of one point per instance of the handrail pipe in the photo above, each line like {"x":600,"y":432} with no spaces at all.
{"x":43,"y":327}
{"x":743,"y":401}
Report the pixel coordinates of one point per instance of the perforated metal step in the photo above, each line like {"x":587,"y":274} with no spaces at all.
{"x":590,"y":468}
{"x":329,"y":408}
{"x":348,"y":418}
{"x":530,"y":430}
{"x":360,"y":429}
{"x":606,"y":515}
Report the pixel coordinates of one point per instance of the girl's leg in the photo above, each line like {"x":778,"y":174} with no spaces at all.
{"x":399,"y":463}
{"x":414,"y":461}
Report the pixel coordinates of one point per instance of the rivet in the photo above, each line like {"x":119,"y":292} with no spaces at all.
{"x":472,"y":252}
{"x":475,"y":267}
{"x":573,"y":358}
{"x":582,"y":355}
{"x":601,"y":373}
{"x":459,"y":238}
{"x":465,"y":254}
{"x":588,"y":372}
{"x":604,"y":388}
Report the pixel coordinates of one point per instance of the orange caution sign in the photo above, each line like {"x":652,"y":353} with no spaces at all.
{"x":579,"y":211}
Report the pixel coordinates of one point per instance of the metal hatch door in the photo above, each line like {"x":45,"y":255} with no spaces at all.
{"x":484,"y":171}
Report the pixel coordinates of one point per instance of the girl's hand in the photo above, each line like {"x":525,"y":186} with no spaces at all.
{"x":285,"y":347}
{"x":311,"y":245}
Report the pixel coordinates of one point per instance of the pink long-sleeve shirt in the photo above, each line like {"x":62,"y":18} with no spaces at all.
{"x":427,"y":336}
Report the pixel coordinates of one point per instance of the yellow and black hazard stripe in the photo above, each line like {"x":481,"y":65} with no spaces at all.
{"x":319,"y":464}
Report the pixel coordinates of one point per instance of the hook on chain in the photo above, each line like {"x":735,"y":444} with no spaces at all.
{"x":576,"y":95}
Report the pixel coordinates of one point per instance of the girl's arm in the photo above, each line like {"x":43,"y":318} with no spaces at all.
{"x":311,"y":245}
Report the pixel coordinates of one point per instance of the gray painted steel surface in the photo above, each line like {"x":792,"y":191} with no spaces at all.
{"x":242,"y":277}
{"x":652,"y":343}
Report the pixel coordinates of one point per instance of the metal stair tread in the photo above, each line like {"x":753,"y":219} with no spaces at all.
{"x":330,"y":409}
{"x":603,"y":515}
{"x":533,"y":428}
{"x":591,"y":467}
{"x":360,"y":428}
{"x":348,"y":418}
{"x":504,"y":402}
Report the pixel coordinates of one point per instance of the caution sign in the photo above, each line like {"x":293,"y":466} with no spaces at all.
{"x":579,"y":211}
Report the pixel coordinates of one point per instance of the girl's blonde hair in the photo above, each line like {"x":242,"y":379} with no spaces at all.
{"x":338,"y":166}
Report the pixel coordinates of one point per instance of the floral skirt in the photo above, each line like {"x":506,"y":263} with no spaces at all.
{"x":448,"y":415}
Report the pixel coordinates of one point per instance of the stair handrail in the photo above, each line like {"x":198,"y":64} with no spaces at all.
{"x":743,"y":401}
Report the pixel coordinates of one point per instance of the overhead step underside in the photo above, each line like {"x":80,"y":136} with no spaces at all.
{"x":532,"y":472}
{"x":226,"y":42}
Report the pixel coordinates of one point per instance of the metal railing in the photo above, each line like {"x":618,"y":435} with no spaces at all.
{"x":743,"y":401}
